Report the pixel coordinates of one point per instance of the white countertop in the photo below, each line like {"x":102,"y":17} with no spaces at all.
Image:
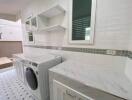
{"x":39,"y":59}
{"x":103,"y":72}
{"x":106,"y":79}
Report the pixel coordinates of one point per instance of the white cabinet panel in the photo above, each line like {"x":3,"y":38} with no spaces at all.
{"x":63,"y":92}
{"x":19,"y":69}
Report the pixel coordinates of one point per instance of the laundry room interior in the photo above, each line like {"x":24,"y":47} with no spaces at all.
{"x":65,"y":50}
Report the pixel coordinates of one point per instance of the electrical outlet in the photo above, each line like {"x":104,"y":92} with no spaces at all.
{"x":59,"y":48}
{"x":111,"y":52}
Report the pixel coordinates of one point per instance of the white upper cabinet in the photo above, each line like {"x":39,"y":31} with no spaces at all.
{"x":28,"y":25}
{"x":34,"y":23}
{"x":31,"y":24}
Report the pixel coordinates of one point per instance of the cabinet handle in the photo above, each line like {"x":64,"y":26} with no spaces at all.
{"x":69,"y":93}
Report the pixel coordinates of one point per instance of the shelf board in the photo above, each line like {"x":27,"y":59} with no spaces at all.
{"x":53,"y":28}
{"x":53,"y":11}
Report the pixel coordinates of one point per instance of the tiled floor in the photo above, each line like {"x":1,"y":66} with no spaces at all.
{"x":13,"y":89}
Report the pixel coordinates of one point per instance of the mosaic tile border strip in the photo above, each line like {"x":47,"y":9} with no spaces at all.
{"x":129,"y":54}
{"x":123,"y":53}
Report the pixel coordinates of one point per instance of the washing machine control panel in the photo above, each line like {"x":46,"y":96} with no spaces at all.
{"x":34,"y":64}
{"x":26,"y":62}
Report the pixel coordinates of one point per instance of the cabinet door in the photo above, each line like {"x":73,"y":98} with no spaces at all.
{"x":34,"y":24}
{"x":63,"y":92}
{"x":28,"y":25}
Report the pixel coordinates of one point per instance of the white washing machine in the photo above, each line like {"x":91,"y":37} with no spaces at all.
{"x":19,"y":62}
{"x":36,"y":74}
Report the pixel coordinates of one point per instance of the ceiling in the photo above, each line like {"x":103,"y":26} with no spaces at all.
{"x":11,"y":7}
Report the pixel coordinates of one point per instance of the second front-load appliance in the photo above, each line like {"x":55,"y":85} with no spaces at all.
{"x":36,"y":74}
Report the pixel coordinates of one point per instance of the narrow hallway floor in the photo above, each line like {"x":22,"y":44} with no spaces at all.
{"x":11,"y":88}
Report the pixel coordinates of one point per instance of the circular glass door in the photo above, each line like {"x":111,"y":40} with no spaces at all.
{"x":31,"y":78}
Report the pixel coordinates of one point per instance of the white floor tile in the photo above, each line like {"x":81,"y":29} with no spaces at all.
{"x":11,"y":88}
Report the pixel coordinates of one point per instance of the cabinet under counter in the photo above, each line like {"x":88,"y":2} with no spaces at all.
{"x":97,"y":84}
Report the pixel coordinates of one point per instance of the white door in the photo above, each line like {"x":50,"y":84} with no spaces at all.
{"x":63,"y":92}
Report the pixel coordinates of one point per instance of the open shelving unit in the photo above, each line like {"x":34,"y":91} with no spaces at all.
{"x":53,"y":28}
{"x":49,"y":20}
{"x":53,"y":11}
{"x":45,"y":18}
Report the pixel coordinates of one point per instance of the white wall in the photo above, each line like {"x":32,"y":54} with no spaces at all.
{"x":111,"y":30}
{"x":11,"y":31}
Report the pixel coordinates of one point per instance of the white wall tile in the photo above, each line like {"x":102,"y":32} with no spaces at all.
{"x":112,"y":23}
{"x":112,"y":28}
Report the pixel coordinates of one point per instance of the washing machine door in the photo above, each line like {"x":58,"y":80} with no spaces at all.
{"x":31,"y":78}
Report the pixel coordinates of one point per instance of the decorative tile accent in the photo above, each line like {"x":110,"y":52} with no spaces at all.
{"x":85,"y":50}
{"x":130,"y":54}
{"x":124,"y":53}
